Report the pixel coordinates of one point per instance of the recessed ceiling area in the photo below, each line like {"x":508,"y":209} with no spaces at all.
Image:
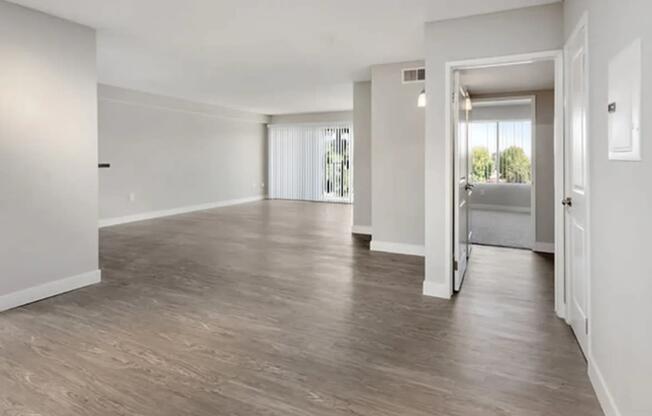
{"x":533,"y":76}
{"x":266,"y":56}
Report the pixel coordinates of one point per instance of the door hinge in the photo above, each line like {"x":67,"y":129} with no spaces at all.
{"x":455,"y":266}
{"x":586,"y":325}
{"x":453,"y":97}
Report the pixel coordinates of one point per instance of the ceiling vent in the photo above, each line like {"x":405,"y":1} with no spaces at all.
{"x":411,"y":75}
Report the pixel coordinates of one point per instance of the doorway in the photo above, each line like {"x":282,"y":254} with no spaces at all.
{"x":571,"y":183}
{"x":496,"y":151}
{"x":503,"y":167}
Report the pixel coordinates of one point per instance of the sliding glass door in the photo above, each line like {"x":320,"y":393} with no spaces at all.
{"x":311,"y":162}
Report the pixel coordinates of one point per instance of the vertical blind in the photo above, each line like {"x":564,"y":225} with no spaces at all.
{"x":312,"y":162}
{"x":501,"y":151}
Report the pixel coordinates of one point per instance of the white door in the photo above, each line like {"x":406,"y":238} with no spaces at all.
{"x":576,"y":220}
{"x":461,"y":185}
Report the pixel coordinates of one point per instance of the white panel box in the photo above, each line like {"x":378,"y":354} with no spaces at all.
{"x":625,"y":73}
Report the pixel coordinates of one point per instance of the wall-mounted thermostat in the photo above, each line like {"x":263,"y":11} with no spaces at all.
{"x":624,"y":107}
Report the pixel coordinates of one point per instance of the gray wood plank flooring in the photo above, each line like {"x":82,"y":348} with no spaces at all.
{"x":273,"y":308}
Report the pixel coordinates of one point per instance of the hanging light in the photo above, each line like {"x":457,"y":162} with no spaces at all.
{"x":468,"y":104}
{"x":421,"y":101}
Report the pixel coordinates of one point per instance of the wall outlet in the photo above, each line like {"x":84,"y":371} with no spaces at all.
{"x":132,"y":197}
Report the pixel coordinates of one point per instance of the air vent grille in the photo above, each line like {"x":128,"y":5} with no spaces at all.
{"x":414,"y":75}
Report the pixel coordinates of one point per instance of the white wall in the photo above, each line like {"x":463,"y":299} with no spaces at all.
{"x":506,"y":33}
{"x":397,"y":145}
{"x":362,"y":157}
{"x":48,"y":156}
{"x":545,"y":166}
{"x":502,"y":196}
{"x":312,"y":117}
{"x":500,"y":112}
{"x":620,"y":199}
{"x":171,"y":154}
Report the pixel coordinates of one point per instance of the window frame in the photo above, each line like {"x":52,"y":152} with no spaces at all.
{"x":509,"y":100}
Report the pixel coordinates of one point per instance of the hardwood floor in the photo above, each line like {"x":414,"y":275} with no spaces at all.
{"x":273,"y":308}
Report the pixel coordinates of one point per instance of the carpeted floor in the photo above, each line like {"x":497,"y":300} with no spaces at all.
{"x":500,"y":228}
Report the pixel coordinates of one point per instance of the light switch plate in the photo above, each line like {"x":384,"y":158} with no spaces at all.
{"x":624,"y":106}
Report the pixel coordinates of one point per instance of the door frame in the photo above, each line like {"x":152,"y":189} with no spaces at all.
{"x":557,"y":56}
{"x":460,"y":95}
{"x":532,"y":98}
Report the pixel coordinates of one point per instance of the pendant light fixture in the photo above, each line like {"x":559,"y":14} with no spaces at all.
{"x":421,"y":101}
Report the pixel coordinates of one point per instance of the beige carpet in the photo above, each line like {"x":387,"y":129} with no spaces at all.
{"x":500,"y":228}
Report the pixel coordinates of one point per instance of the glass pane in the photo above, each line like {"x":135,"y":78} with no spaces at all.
{"x":483,"y":146}
{"x":337,"y":164}
{"x":515,"y":159}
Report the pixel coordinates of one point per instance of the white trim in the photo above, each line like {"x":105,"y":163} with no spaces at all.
{"x":109,"y":222}
{"x":398,"y":248}
{"x":540,"y":247}
{"x":435,"y":290}
{"x":505,"y":60}
{"x":361,"y":229}
{"x":602,"y":390}
{"x":560,"y":186}
{"x":47,"y":290}
{"x":500,"y":208}
{"x":533,"y":170}
{"x":585,"y":21}
{"x":449,"y":203}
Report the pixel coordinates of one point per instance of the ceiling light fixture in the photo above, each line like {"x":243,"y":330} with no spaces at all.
{"x":421,"y":101}
{"x":468,"y":104}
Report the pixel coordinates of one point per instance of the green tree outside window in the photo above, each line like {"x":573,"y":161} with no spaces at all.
{"x":482,"y":163}
{"x":515,"y":166}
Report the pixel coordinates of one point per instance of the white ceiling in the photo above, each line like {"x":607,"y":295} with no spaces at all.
{"x":524,"y":77}
{"x":268,"y":56}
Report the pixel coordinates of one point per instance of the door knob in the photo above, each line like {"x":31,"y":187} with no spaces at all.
{"x":567,"y":202}
{"x":469,"y":187}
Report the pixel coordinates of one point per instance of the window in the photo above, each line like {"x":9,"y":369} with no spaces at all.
{"x":311,"y":162}
{"x":337,"y":164}
{"x":501,"y":151}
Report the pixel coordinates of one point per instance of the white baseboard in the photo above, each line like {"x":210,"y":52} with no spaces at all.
{"x":108,"y":222}
{"x":361,"y":229}
{"x":502,"y":208}
{"x":602,"y":391}
{"x":544,"y":247}
{"x":436,"y":290}
{"x":398,"y":248}
{"x":46,"y":290}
